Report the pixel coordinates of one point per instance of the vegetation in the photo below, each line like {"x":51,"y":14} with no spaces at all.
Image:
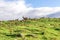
{"x":30,"y":29}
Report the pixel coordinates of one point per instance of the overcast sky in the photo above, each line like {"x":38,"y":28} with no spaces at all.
{"x":15,"y":9}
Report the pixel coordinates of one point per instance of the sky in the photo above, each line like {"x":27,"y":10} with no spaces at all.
{"x":44,"y":3}
{"x":16,"y":9}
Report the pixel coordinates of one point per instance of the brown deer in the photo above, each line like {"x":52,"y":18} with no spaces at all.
{"x":24,"y":18}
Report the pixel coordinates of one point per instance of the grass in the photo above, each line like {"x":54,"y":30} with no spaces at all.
{"x":30,"y":29}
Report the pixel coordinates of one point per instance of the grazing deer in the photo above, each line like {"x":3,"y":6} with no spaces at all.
{"x":24,"y":18}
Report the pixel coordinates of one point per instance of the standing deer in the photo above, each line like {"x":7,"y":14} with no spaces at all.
{"x":24,"y":18}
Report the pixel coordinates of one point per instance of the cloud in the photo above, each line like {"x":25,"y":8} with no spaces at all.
{"x":10,"y":10}
{"x":15,"y":9}
{"x":42,"y":11}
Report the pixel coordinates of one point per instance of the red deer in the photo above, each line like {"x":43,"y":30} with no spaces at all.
{"x":24,"y":18}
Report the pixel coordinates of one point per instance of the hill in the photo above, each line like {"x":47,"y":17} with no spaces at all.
{"x":30,"y":29}
{"x":54,"y":15}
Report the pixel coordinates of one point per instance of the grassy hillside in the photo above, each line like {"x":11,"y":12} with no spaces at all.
{"x":30,"y":29}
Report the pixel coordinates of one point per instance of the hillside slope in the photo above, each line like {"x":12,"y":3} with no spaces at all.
{"x":54,"y":15}
{"x":30,"y":29}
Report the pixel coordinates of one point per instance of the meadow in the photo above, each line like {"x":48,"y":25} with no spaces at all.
{"x":30,"y":29}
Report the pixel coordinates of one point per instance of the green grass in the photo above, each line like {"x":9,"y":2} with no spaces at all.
{"x":31,"y":29}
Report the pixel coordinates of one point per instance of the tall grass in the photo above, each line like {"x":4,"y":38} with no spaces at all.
{"x":30,"y":29}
